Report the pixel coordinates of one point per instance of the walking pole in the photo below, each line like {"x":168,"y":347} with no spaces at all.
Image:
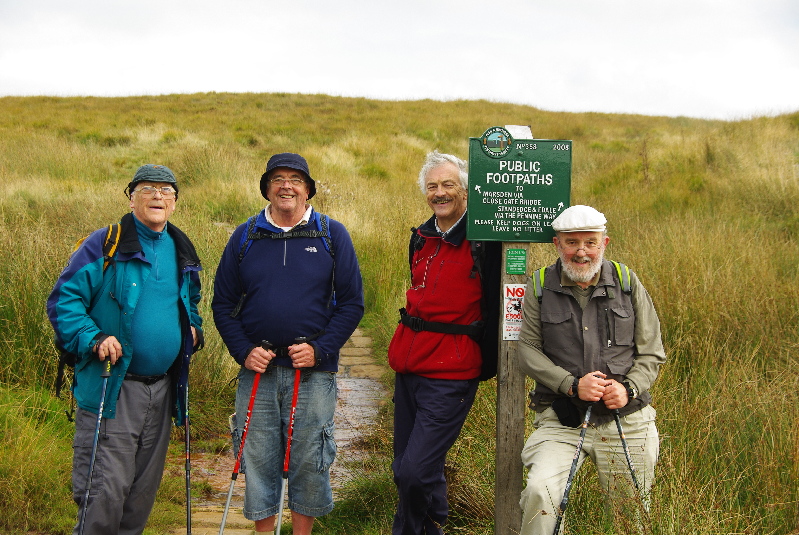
{"x":626,"y":450}
{"x":188,"y":462}
{"x":237,"y":465}
{"x":565,"y":502}
{"x":105,"y":375}
{"x":290,"y":432}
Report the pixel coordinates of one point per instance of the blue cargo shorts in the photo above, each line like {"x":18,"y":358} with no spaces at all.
{"x":313,"y":447}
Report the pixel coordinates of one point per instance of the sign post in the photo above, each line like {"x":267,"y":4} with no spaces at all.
{"x":516,"y":188}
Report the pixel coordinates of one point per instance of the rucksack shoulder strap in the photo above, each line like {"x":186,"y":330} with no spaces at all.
{"x":415,"y":244}
{"x":247,"y":237}
{"x":326,"y":237}
{"x":624,"y":276}
{"x":538,"y":283}
{"x":111,"y":243}
{"x":478,"y":258}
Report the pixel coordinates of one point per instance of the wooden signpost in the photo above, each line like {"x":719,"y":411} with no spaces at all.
{"x":517,"y":186}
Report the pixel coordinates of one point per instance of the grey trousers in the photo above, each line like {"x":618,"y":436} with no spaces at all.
{"x":130,"y":458}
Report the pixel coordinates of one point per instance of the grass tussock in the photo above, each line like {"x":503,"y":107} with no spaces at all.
{"x":704,"y":211}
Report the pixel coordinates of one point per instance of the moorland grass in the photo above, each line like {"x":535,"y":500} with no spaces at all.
{"x":704,"y":211}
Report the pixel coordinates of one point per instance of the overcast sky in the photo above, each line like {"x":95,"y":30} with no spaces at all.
{"x":724,"y":59}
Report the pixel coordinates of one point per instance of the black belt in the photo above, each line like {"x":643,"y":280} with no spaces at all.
{"x":146,"y":379}
{"x":474,"y":330}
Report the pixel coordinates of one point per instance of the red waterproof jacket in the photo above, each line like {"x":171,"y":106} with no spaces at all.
{"x":445,"y":288}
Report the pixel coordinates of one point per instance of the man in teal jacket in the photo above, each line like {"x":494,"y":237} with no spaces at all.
{"x":139,"y":311}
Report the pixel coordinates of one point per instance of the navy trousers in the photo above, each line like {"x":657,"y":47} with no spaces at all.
{"x":428,"y":417}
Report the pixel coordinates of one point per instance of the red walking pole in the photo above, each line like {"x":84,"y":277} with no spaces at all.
{"x":237,"y":465}
{"x":290,"y":432}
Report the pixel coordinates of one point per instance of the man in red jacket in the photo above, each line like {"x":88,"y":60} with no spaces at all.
{"x":445,"y":344}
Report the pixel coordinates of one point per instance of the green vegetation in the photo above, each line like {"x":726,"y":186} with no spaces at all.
{"x":706,"y":212}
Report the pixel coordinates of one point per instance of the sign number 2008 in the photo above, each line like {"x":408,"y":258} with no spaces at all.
{"x":560,"y":146}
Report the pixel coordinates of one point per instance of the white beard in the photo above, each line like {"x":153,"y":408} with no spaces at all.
{"x":581,"y":272}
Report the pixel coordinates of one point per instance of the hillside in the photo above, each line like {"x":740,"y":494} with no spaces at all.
{"x":705,"y":212}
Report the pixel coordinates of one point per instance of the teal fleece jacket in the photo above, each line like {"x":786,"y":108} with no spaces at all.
{"x":87,"y":302}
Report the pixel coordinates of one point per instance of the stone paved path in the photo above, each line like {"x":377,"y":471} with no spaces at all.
{"x":360,"y":395}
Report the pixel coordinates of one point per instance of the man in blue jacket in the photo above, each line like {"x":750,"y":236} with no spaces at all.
{"x":141,"y":313}
{"x":288,"y":295}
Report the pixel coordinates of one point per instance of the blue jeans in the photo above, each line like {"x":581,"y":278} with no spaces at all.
{"x":313,"y":447}
{"x":428,"y":417}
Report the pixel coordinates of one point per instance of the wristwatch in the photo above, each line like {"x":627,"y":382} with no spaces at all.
{"x":632,"y":392}
{"x":575,"y":384}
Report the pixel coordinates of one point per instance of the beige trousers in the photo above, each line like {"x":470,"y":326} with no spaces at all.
{"x":550,"y":450}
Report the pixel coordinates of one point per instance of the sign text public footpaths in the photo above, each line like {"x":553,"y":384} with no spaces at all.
{"x":516,"y":190}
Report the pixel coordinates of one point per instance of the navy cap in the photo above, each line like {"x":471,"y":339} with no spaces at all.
{"x":292,"y":161}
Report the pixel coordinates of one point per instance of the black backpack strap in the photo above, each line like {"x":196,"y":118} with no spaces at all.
{"x":478,"y":258}
{"x":328,"y":239}
{"x":247,"y":238}
{"x":111,"y":243}
{"x":244,"y":245}
{"x":415,"y":244}
{"x":474,"y":330}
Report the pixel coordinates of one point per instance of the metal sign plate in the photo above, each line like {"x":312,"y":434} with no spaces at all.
{"x":516,"y":186}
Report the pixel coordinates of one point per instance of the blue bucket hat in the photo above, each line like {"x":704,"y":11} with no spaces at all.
{"x":292,"y":161}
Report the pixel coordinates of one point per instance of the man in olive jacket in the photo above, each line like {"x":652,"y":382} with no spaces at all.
{"x":589,"y":340}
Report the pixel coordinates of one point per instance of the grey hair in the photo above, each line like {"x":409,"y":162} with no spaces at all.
{"x":434,"y":159}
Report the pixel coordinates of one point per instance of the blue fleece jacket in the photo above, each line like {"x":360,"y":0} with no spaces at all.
{"x":288,"y":285}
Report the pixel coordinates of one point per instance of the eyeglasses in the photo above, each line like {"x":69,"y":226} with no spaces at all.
{"x":572,"y":246}
{"x":166,"y":192}
{"x":280,"y":181}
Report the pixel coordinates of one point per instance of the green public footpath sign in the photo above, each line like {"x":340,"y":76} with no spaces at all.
{"x":516,"y":186}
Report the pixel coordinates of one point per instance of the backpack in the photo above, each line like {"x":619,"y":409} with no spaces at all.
{"x":622,"y":271}
{"x":323,"y":232}
{"x":65,"y":358}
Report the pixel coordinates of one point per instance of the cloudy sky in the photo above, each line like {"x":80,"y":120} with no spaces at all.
{"x":724,"y":59}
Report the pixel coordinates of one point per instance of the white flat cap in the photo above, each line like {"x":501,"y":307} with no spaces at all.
{"x":579,"y":218}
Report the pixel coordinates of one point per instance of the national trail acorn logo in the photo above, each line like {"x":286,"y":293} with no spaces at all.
{"x":496,"y":142}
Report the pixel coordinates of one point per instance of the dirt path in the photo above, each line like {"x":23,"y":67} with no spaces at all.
{"x":360,"y":395}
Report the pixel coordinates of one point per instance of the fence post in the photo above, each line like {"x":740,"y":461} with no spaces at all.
{"x":510,"y":422}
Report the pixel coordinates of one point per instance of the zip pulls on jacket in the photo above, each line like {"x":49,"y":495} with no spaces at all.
{"x":427,"y":267}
